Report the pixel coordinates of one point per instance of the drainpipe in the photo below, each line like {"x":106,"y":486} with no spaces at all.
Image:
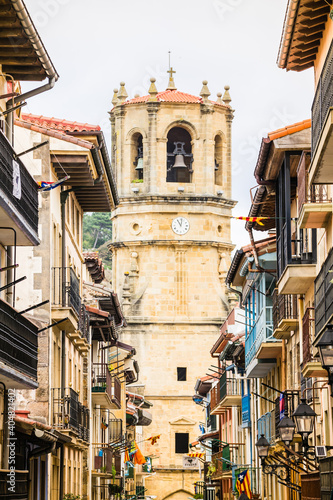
{"x":37,"y":91}
{"x":300,"y":325}
{"x":63,"y":198}
{"x":238,"y":293}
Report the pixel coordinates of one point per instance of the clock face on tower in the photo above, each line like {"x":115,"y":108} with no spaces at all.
{"x":180,"y":225}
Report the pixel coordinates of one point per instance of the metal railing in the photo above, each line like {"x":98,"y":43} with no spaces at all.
{"x":66,"y":293}
{"x":308,"y":334}
{"x":27,"y":203}
{"x":115,"y":430}
{"x":103,"y":382}
{"x":83,"y":324}
{"x":229,"y":386}
{"x":323,"y":290}
{"x":299,"y":248}
{"x":224,"y":459}
{"x":18,"y":341}
{"x":323,"y":99}
{"x":261,"y":331}
{"x":284,"y":307}
{"x":21,"y":489}
{"x":214,"y":396}
{"x":69,"y":413}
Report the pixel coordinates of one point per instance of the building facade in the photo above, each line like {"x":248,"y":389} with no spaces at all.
{"x":172,"y":158}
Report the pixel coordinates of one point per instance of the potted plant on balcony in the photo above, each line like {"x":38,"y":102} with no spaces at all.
{"x":71,"y":496}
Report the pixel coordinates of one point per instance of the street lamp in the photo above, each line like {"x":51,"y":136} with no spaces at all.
{"x":287,"y":429}
{"x":262,"y":446}
{"x":304,"y":417}
{"x":325,"y":348}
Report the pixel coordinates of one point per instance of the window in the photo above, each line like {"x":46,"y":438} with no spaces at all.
{"x":218,"y":159}
{"x":181,"y":442}
{"x":179,"y":155}
{"x":137,"y":157}
{"x":181,"y":374}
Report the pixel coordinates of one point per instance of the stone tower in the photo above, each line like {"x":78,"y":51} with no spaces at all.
{"x":171,"y":249}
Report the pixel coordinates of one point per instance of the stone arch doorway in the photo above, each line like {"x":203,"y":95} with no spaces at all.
{"x":179,"y":495}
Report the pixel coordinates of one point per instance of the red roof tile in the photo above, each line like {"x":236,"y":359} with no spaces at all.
{"x":58,"y":124}
{"x":290,"y":129}
{"x":172,"y":96}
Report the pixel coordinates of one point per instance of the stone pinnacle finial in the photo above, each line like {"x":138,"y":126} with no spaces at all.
{"x":122,"y":94}
{"x":171,"y":84}
{"x":115,"y":97}
{"x":219,"y":97}
{"x":226,"y":97}
{"x":205,"y":91}
{"x":152,"y":90}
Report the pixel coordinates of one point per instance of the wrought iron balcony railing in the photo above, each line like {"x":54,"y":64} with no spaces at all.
{"x":323,"y":289}
{"x":102,"y":382}
{"x":84,"y":323}
{"x":323,"y":99}
{"x":308,"y":335}
{"x":284,"y":308}
{"x":69,"y":413}
{"x":66,"y":292}
{"x":18,"y":341}
{"x":19,"y":191}
{"x":229,"y":386}
{"x":21,"y":485}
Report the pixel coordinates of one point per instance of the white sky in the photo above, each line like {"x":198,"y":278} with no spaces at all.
{"x":95,"y":45}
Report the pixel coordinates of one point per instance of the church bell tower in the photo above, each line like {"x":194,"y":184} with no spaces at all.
{"x":171,"y":152}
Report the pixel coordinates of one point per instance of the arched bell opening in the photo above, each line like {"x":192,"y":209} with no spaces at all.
{"x":137,"y":157}
{"x":179,"y":156}
{"x":218,"y":161}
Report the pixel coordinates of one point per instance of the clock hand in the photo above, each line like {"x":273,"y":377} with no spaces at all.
{"x":180,"y":222}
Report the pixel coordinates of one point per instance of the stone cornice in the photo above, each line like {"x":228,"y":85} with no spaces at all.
{"x":179,"y":200}
{"x":176,"y":243}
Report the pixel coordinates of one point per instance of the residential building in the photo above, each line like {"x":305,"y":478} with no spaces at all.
{"x":70,"y":356}
{"x":171,"y":250}
{"x":23,"y":58}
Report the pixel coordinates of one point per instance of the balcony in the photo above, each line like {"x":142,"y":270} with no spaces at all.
{"x":322,"y":126}
{"x":66,"y":299}
{"x":105,"y":390}
{"x":261,"y":348}
{"x":21,"y":485}
{"x":18,"y":199}
{"x":102,"y":464}
{"x":18,"y":349}
{"x":227,"y":393}
{"x":246,"y":410}
{"x":297,"y":257}
{"x":69,"y":414}
{"x":224,"y":460}
{"x":311,"y":367}
{"x":285,"y":315}
{"x":323,"y":292}
{"x":81,"y":336}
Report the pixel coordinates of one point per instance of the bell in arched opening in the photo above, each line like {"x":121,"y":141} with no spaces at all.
{"x":179,"y":153}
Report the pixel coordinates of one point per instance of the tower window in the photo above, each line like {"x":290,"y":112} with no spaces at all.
{"x":181,"y":442}
{"x":218,"y":159}
{"x":179,"y":155}
{"x":137,"y":157}
{"x":181,"y":374}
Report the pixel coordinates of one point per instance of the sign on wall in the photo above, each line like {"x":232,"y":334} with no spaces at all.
{"x":190,"y":462}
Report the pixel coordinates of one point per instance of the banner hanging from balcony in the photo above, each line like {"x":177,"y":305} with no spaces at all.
{"x":243,"y":483}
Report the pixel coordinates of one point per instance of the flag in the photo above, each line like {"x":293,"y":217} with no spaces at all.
{"x":153,"y":439}
{"x":47,"y":186}
{"x":254,"y":219}
{"x":282,"y":405}
{"x":104,"y":425}
{"x":199,"y":455}
{"x":138,"y":457}
{"x":243,"y":483}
